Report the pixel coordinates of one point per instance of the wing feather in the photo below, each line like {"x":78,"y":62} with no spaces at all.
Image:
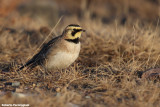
{"x":39,"y":58}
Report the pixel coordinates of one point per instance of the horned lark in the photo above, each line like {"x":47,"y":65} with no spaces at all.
{"x":60,"y":52}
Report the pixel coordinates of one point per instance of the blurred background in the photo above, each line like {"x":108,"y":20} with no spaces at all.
{"x":122,"y":41}
{"x":48,"y":12}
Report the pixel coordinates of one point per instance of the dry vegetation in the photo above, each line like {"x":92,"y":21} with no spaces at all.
{"x":107,"y":73}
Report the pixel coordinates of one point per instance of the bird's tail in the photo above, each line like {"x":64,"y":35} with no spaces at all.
{"x":21,"y":68}
{"x":30,"y":62}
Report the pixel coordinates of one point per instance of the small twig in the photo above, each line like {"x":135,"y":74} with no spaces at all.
{"x":72,"y":81}
{"x":49,"y":34}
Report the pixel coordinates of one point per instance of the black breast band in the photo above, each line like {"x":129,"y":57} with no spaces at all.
{"x":73,"y":40}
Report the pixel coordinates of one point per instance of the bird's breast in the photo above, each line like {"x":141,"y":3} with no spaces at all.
{"x":63,"y":59}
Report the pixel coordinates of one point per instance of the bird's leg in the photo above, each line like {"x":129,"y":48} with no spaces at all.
{"x":45,"y":71}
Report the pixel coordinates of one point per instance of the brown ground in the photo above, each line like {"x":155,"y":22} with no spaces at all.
{"x":115,"y":52}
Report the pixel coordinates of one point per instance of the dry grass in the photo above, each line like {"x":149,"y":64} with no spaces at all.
{"x":105,"y":74}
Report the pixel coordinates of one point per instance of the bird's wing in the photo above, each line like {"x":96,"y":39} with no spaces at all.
{"x":39,"y":58}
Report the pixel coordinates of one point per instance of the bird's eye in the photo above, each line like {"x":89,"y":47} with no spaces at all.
{"x":73,"y":32}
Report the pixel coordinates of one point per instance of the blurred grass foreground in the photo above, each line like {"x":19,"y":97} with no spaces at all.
{"x":119,"y":62}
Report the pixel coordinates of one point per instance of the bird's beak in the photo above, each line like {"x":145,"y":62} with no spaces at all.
{"x":83,"y":30}
{"x":80,"y":30}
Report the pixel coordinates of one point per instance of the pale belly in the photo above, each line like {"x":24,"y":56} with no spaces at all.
{"x":61,"y":60}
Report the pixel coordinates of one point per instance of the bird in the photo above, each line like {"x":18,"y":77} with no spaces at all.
{"x":60,"y":52}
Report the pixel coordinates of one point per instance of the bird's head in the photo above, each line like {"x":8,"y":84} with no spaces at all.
{"x":73,"y":31}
